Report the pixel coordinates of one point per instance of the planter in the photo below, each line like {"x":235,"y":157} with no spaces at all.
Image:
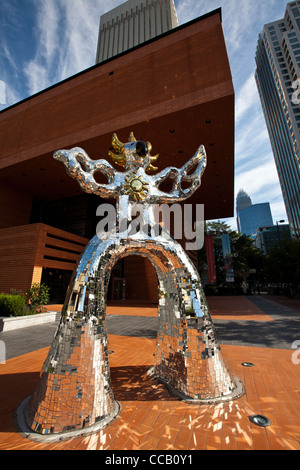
{"x":13,"y":323}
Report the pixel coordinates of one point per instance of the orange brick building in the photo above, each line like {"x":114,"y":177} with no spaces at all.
{"x":175,"y":91}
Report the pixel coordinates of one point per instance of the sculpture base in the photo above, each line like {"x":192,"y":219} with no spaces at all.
{"x":237,"y":393}
{"x":25,"y":431}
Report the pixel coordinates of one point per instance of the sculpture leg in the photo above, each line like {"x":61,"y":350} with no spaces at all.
{"x":74,"y":391}
{"x":188,"y":357}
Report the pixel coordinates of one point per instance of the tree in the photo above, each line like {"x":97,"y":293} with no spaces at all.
{"x":245,"y":256}
{"x":282,"y":263}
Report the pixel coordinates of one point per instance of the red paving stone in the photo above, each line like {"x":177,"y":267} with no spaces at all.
{"x":235,"y":308}
{"x":147,"y":311}
{"x":152,"y":419}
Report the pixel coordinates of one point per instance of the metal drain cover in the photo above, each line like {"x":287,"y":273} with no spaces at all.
{"x":260,"y":420}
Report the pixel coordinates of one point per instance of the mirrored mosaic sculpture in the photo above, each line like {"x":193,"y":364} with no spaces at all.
{"x":74,"y":392}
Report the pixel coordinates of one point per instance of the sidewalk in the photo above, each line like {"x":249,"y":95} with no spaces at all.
{"x":286,"y":301}
{"x":248,"y":328}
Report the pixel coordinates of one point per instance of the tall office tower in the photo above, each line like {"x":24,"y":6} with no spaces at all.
{"x":278,"y":68}
{"x":133,"y":23}
{"x":243,"y":200}
{"x":251,"y":216}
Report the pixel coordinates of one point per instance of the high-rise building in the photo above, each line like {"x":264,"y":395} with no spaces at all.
{"x":133,"y":23}
{"x":267,"y":237}
{"x":251,"y":216}
{"x":278,"y":68}
{"x":243,"y":200}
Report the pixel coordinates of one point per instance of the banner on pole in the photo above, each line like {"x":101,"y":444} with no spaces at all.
{"x":227,"y":258}
{"x":210,"y":256}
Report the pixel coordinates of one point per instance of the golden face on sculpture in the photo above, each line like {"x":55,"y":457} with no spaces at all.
{"x":135,"y":187}
{"x":134,"y":153}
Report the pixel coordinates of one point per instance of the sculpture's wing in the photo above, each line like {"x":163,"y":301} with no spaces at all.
{"x":198,"y":161}
{"x":80,"y":167}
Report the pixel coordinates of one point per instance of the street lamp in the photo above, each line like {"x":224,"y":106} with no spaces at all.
{"x":279,"y":242}
{"x":278,"y":234}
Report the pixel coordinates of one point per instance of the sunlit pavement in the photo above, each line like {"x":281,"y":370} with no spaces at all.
{"x":250,"y":329}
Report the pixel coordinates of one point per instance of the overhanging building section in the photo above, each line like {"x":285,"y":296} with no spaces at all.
{"x":175,"y":91}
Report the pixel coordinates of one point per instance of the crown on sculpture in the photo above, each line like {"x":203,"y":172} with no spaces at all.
{"x":118,"y":151}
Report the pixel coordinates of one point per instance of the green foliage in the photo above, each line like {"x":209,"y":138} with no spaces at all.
{"x":15,"y":292}
{"x":38,"y":295}
{"x":282,"y":263}
{"x":12,"y":305}
{"x":16,"y":304}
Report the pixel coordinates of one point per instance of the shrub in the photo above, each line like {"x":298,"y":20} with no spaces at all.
{"x":38,"y":295}
{"x":211,"y":290}
{"x":16,"y":304}
{"x":12,"y":305}
{"x":15,"y":292}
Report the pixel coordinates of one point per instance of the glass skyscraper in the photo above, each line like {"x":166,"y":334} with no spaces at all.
{"x":278,"y":69}
{"x":251,"y":216}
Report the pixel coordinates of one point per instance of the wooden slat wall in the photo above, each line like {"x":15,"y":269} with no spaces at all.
{"x":15,"y":205}
{"x":23,"y":253}
{"x":141,"y":279}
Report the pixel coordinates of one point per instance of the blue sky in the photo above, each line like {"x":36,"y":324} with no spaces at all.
{"x":45,"y":41}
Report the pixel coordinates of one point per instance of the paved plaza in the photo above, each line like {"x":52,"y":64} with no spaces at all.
{"x":256,"y":329}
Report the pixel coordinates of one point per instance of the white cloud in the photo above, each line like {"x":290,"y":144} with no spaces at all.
{"x":80,"y":37}
{"x":48,"y":16}
{"x":260,"y":181}
{"x":278,"y":211}
{"x":8,"y":55}
{"x":66,"y":37}
{"x":37,"y":76}
{"x":2,"y":92}
{"x":247,"y":98}
{"x":8,"y":95}
{"x":252,"y":140}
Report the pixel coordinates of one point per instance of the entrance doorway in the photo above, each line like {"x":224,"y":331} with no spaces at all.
{"x":58,"y":280}
{"x":133,"y":280}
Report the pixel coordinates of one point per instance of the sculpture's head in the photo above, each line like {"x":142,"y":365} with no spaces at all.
{"x":133,"y":154}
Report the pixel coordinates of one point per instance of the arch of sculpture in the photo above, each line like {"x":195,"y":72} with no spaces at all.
{"x":74,"y":393}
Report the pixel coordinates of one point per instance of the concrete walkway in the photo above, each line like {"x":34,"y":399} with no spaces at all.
{"x":253,"y":329}
{"x":267,"y":324}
